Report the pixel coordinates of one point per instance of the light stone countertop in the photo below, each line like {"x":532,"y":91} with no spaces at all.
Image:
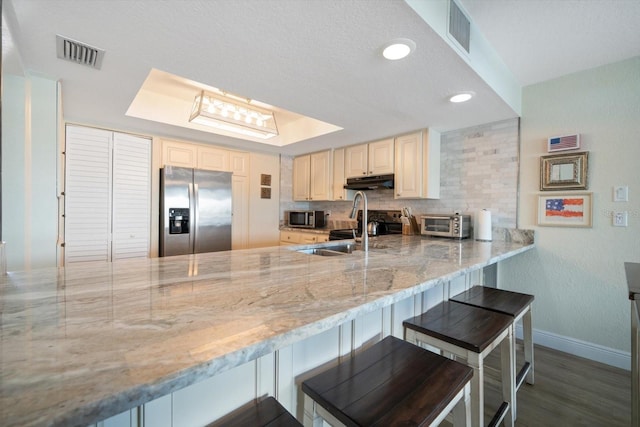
{"x":82,"y":343}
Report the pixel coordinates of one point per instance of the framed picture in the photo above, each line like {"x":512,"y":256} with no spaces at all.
{"x":561,"y":143}
{"x":564,"y":171}
{"x":565,"y":210}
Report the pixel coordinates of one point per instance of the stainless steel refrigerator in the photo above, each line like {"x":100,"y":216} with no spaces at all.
{"x":195,"y":211}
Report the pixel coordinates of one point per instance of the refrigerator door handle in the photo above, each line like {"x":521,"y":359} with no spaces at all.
{"x":196,"y":216}
{"x":193,"y":206}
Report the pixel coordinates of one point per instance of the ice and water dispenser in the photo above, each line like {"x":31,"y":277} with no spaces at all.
{"x":178,"y":220}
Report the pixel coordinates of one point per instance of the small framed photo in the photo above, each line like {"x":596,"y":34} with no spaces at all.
{"x":265,"y":179}
{"x":565,"y":210}
{"x":564,"y":171}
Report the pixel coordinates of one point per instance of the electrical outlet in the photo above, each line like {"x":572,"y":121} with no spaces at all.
{"x":620,"y":219}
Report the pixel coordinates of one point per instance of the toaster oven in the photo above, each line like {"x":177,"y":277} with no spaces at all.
{"x":454,"y":226}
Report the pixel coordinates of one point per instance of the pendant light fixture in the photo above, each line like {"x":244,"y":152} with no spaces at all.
{"x":233,"y":114}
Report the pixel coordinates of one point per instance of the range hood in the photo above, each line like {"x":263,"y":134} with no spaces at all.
{"x":370,"y":182}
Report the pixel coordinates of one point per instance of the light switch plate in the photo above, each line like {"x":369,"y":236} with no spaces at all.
{"x":621,"y":193}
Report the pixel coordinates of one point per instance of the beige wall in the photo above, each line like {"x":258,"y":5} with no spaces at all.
{"x":577,"y":274}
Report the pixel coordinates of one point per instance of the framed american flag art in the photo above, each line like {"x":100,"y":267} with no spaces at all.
{"x":565,"y":210}
{"x":565,"y":142}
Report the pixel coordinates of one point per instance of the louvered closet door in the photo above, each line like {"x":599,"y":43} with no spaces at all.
{"x":87,"y":194}
{"x":131,"y":196}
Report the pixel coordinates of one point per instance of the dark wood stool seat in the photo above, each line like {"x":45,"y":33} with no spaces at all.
{"x":260,"y":412}
{"x":514,"y":304}
{"x":470,"y":333}
{"x":500,"y":300}
{"x":390,"y":383}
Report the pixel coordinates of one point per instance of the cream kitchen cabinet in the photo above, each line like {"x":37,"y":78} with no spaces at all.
{"x":312,"y":176}
{"x":179,"y":154}
{"x":240,"y":212}
{"x":239,"y":163}
{"x":211,"y":158}
{"x":339,"y":180}
{"x":301,"y":177}
{"x":302,"y":238}
{"x":374,"y":158}
{"x":417,"y":165}
{"x":199,"y":156}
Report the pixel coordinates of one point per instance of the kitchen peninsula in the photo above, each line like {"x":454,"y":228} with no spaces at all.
{"x":183,"y":340}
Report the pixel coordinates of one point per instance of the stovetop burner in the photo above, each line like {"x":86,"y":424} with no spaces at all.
{"x":391,"y":220}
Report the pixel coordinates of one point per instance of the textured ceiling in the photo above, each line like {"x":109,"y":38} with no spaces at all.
{"x":316,"y":58}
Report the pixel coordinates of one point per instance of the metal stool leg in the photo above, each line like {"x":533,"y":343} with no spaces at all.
{"x":527,"y":333}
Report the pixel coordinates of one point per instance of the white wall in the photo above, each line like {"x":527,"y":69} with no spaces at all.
{"x":29,"y":161}
{"x":577,"y":274}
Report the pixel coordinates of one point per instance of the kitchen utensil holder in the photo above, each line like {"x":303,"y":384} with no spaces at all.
{"x":411,"y":228}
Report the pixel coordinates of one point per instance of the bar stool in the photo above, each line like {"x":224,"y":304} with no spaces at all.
{"x":470,"y":333}
{"x":513,"y":304}
{"x":266,"y":411}
{"x":390,"y":383}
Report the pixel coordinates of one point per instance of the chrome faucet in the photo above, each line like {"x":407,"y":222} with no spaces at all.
{"x":365,"y":235}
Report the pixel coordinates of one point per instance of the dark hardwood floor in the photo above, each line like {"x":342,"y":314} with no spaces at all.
{"x":568,"y":391}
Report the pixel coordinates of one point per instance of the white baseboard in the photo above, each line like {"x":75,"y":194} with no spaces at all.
{"x":595,"y":352}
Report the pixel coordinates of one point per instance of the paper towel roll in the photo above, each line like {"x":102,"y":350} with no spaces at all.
{"x":483,"y":229}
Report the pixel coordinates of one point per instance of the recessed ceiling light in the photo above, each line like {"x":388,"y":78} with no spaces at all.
{"x":461,"y":97}
{"x":398,"y":49}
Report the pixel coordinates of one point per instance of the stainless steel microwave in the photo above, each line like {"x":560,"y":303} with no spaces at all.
{"x":304,"y":219}
{"x":452,"y":226}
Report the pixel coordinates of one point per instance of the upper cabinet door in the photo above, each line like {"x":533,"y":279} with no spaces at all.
{"x":355,"y":161}
{"x":418,"y":165}
{"x":179,"y":154}
{"x":239,"y":163}
{"x":339,"y":192}
{"x":408,"y":179}
{"x":375,"y":158}
{"x":381,"y":157}
{"x":321,"y":176}
{"x":301,"y":177}
{"x":214,"y":159}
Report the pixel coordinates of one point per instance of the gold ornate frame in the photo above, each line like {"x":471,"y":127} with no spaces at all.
{"x":564,"y":171}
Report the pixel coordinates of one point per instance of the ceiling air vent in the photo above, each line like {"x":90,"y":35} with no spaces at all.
{"x":80,"y":53}
{"x":459,"y":26}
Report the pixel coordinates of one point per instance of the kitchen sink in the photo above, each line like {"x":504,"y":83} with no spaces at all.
{"x":333,"y":250}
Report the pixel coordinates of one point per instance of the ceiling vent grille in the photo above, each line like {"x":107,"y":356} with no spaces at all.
{"x":459,"y":26}
{"x":80,"y":53}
